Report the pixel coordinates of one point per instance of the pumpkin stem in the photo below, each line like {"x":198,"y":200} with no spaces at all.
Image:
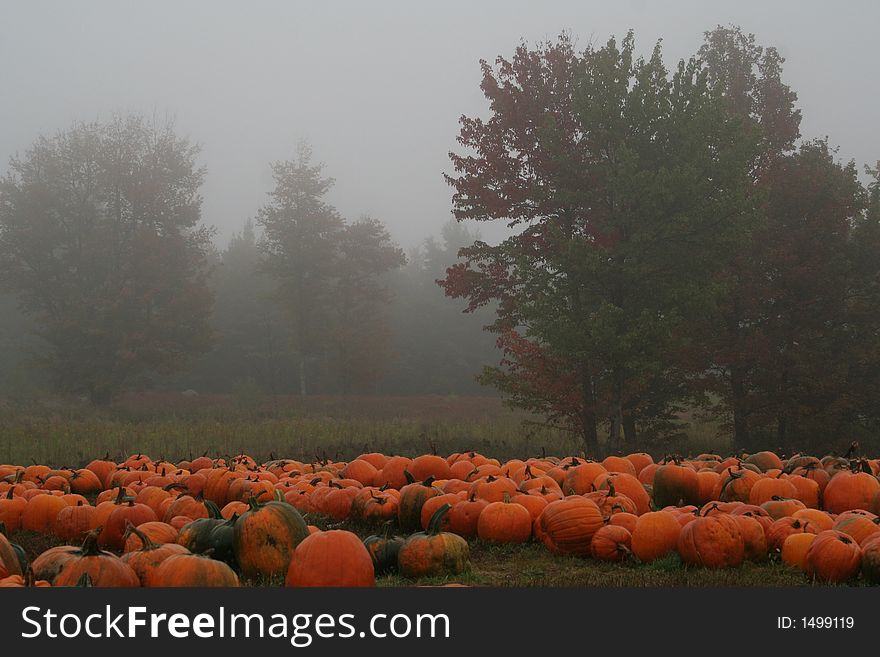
{"x":90,"y":544}
{"x":437,"y":519}
{"x":85,"y":581}
{"x":146,"y":542}
{"x":409,"y":478}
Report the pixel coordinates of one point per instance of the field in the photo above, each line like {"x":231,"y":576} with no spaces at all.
{"x":64,"y":433}
{"x":326,"y":433}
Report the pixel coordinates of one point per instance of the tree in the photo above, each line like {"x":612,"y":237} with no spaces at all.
{"x":627,"y":184}
{"x":749,"y":80}
{"x":440,"y":350}
{"x":101,"y":241}
{"x":328,"y":274}
{"x":361,"y":334}
{"x":252,"y":351}
{"x":300,"y":240}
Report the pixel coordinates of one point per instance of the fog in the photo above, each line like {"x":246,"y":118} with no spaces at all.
{"x":378,"y":87}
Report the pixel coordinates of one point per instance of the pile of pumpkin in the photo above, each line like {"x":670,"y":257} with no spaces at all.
{"x":208,"y":522}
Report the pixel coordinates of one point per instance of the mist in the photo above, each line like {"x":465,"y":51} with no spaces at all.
{"x":376,"y":88}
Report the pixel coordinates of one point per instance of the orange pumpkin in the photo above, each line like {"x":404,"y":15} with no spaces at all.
{"x":655,"y":535}
{"x":833,"y":557}
{"x":504,"y":522}
{"x":611,"y":543}
{"x":567,"y":525}
{"x":331,"y":558}
{"x":712,"y":542}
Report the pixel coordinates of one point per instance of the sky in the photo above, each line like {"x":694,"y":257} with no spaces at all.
{"x":376,"y":87}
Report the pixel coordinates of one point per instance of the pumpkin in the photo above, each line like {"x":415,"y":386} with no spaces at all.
{"x":432,"y":504}
{"x":782,"y":507}
{"x":74,"y":522}
{"x":578,"y":479}
{"x":384,"y":552}
{"x":611,"y":543}
{"x":103,"y":568}
{"x":754,"y":537}
{"x":113,"y":533}
{"x":707,"y":480}
{"x":412,"y":497}
{"x":464,"y":516}
{"x":619,"y":464}
{"x":158,"y":532}
{"x":871,"y":561}
{"x":10,"y":563}
{"x":794,"y":549}
{"x":49,"y":563}
{"x":362,"y":471}
{"x":640,"y":461}
{"x":609,"y":501}
{"x":848,"y":490}
{"x":861,"y":528}
{"x":22,"y":581}
{"x":768,"y":488}
{"x":393,"y":472}
{"x":429,"y":465}
{"x":492,"y":488}
{"x":192,"y":570}
{"x":504,"y":522}
{"x":628,"y":485}
{"x":41,"y":512}
{"x":622,"y":519}
{"x":85,"y":482}
{"x":833,"y":557}
{"x":735,"y":485}
{"x":434,"y":552}
{"x":765,"y":461}
{"x":11,"y":508}
{"x":567,"y":525}
{"x":784,"y":527}
{"x":265,"y":537}
{"x":331,"y":558}
{"x":675,"y":485}
{"x":819,"y":520}
{"x":712,"y":542}
{"x":655,"y":535}
{"x":146,"y":559}
{"x":213,"y":535}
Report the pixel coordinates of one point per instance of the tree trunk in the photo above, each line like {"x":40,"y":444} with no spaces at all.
{"x":629,"y":432}
{"x":615,"y":438}
{"x":589,"y":421}
{"x":741,"y":434}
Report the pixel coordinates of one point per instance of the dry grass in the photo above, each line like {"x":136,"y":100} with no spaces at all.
{"x":176,"y":427}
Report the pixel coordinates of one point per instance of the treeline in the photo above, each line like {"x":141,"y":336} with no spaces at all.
{"x":679,"y":246}
{"x":113,"y":282}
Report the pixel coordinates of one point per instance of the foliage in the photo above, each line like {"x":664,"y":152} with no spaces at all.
{"x":100,"y":239}
{"x":627,"y":184}
{"x":328,"y":273}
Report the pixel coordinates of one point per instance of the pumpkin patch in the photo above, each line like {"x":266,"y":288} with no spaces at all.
{"x":230,"y":522}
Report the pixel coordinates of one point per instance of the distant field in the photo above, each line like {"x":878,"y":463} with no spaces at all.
{"x":174,"y":426}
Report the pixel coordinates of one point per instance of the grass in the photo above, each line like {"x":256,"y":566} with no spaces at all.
{"x":532,"y":565}
{"x":70,"y":434}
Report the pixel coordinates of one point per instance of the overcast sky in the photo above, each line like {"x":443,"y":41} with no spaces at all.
{"x":377,"y":87}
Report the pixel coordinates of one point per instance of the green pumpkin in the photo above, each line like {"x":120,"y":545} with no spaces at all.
{"x":383,"y":551}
